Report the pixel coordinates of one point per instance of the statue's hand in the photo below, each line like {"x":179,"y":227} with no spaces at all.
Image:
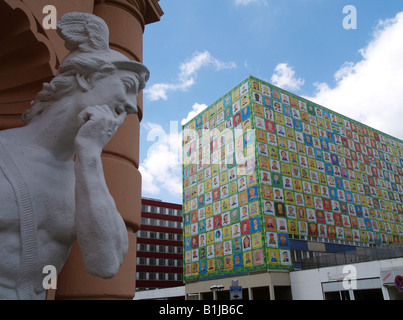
{"x":97,"y":126}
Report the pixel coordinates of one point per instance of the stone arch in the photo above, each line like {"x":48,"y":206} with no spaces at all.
{"x":27,"y":59}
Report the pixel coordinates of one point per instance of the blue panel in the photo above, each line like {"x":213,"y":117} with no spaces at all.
{"x":331,"y":247}
{"x":298,"y":244}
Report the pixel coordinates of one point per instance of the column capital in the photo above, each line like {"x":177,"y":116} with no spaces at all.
{"x":146,"y":11}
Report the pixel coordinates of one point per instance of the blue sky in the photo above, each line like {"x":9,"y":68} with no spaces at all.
{"x":202,"y":49}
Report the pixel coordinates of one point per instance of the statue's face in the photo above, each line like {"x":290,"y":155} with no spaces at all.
{"x":118,"y":90}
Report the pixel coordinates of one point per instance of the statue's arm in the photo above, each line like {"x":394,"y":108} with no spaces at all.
{"x":100,"y":229}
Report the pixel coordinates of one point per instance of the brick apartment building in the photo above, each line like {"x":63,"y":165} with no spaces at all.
{"x":159,"y":246}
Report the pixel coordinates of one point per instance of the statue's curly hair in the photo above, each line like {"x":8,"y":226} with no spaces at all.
{"x":65,"y":83}
{"x":86,"y":37}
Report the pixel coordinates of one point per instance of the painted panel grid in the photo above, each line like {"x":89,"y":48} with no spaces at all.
{"x":261,"y":165}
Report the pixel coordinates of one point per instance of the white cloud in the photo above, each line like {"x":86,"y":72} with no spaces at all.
{"x":284,"y":77}
{"x":187,"y":75}
{"x":247,"y":2}
{"x":371,"y":90}
{"x":196,"y":109}
{"x":161,"y":170}
{"x":147,"y":181}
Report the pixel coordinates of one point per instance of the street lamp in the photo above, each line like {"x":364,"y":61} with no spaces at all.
{"x":216,"y":288}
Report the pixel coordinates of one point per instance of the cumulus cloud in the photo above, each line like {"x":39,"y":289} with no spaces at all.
{"x":161,"y":170}
{"x":284,"y":77}
{"x":247,"y":2}
{"x":196,"y":109}
{"x":371,"y":90}
{"x":187,"y":75}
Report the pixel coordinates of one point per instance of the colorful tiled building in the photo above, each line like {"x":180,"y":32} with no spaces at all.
{"x":262,"y":166}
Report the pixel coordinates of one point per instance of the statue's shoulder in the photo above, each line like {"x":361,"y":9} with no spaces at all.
{"x":7,"y":192}
{"x":11,"y":150}
{"x":17,"y":158}
{"x":5,"y":146}
{"x":10,"y":138}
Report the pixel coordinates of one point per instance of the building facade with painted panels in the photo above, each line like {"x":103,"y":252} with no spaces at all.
{"x":262,"y":166}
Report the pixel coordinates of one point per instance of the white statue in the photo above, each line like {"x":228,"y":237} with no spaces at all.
{"x":47,"y":200}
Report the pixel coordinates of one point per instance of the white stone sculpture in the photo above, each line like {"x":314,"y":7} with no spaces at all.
{"x":47,"y":200}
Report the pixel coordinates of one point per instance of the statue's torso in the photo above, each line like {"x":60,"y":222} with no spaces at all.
{"x":51,"y":186}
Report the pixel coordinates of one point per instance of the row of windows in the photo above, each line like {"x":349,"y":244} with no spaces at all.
{"x":159,"y":276}
{"x":299,"y":255}
{"x":159,"y":262}
{"x":162,"y":210}
{"x":159,"y":235}
{"x":161,"y":223}
{"x":335,"y":241}
{"x":159,"y":248}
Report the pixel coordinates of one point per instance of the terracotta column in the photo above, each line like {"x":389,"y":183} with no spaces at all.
{"x":126,"y":21}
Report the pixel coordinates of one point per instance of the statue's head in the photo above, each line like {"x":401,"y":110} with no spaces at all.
{"x":89,"y":61}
